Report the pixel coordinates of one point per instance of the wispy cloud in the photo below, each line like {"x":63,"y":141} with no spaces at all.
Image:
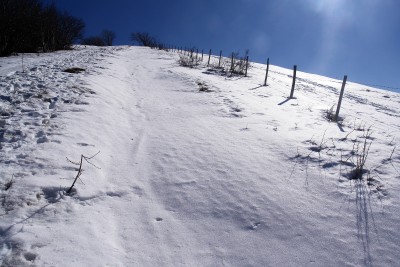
{"x":336,"y":16}
{"x":260,"y":42}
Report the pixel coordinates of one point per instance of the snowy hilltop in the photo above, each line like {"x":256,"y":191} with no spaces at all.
{"x":180,"y":166}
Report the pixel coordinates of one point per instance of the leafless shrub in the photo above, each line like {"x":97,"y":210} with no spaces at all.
{"x":80,"y":170}
{"x":203,"y":87}
{"x":233,"y":65}
{"x":390,"y":161}
{"x":321,"y":146}
{"x":330,"y":113}
{"x":219,"y":67}
{"x":189,"y":61}
{"x":347,"y":136}
{"x":360,"y":154}
{"x":239,"y":64}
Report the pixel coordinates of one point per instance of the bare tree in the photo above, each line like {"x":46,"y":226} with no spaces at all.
{"x":18,"y":25}
{"x":29,"y":26}
{"x":70,"y":30}
{"x":143,"y":38}
{"x":108,"y":37}
{"x":93,"y":40}
{"x":48,"y":28}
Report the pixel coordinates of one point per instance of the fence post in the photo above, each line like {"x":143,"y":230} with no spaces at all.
{"x":294,"y":81}
{"x":202,"y":54}
{"x":232,"y":63}
{"x":247,"y":65}
{"x":197,"y":53}
{"x":219,"y":62}
{"x":209,"y":56}
{"x":266,"y":73}
{"x":340,"y":98}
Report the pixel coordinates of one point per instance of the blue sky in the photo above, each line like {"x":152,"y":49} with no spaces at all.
{"x":360,"y":38}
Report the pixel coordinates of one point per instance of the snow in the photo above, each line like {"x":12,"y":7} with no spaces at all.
{"x":232,"y":175}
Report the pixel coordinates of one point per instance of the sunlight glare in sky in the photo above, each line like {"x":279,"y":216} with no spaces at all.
{"x":336,"y":16}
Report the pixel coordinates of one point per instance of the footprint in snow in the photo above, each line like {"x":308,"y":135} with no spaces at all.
{"x":254,"y":226}
{"x":82,"y":144}
{"x":30,"y":256}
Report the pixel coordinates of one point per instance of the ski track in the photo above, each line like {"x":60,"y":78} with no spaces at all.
{"x":187,"y":178}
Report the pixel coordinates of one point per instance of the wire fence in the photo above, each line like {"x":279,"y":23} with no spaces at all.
{"x":197,"y":51}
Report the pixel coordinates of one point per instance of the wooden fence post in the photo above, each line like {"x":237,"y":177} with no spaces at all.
{"x":219,"y":62}
{"x":294,"y":81}
{"x":209,"y":56}
{"x":266,"y":73}
{"x":340,"y":98}
{"x":202,"y":54}
{"x":247,"y":65}
{"x":232,"y":62}
{"x":197,"y":53}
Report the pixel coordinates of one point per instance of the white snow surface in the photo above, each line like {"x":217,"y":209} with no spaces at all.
{"x":195,"y":168}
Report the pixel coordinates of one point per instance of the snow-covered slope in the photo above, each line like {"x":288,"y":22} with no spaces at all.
{"x":195,"y":168}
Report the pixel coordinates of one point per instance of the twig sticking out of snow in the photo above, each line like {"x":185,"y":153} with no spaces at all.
{"x":9,"y":183}
{"x":80,"y":170}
